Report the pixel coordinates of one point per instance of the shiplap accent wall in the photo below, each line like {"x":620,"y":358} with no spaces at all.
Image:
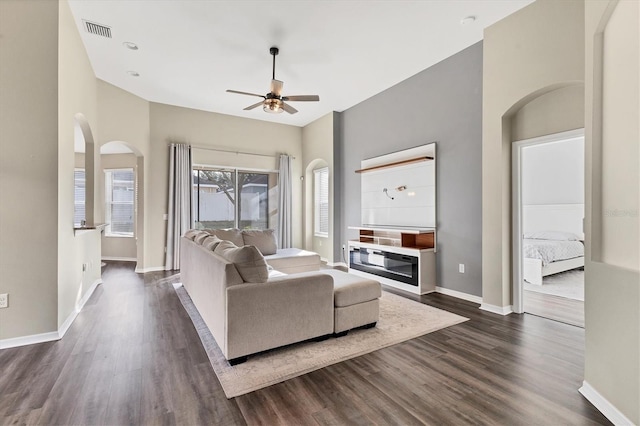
{"x":414,"y":206}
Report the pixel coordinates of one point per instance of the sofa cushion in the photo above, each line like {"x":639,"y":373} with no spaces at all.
{"x":234,"y":235}
{"x":192,"y":233}
{"x":294,"y":260}
{"x":263,"y":239}
{"x":211,"y":242}
{"x":247,"y":260}
{"x":199,"y":239}
{"x":349,"y":289}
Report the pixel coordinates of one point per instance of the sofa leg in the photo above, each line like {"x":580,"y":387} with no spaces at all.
{"x":371,"y":325}
{"x":341,"y":334}
{"x":236,"y":361}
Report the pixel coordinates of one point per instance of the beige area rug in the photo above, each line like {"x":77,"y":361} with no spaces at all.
{"x":400,"y":320}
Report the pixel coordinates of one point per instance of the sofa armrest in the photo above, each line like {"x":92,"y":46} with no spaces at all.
{"x":283,"y":310}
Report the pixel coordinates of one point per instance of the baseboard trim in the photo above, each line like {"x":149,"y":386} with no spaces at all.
{"x":603,"y":405}
{"x":72,"y":316}
{"x":120,"y":259}
{"x":500,"y":310}
{"x":459,"y":295}
{"x":151,"y":269}
{"x":29,"y":340}
{"x":53,"y":335}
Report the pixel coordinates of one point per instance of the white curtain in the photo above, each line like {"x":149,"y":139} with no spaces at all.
{"x":284,"y":205}
{"x":180,"y":190}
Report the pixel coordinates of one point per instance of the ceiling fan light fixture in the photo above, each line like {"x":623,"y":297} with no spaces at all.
{"x":273,"y":106}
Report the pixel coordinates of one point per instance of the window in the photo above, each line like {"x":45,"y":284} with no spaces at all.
{"x":215,"y":200}
{"x":119,"y":202}
{"x":79,"y":200}
{"x":321,"y":202}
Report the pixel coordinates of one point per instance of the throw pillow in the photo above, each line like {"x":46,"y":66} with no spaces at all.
{"x":234,"y":235}
{"x":199,"y":239}
{"x":263,"y":239}
{"x":211,"y":242}
{"x":191,"y":233}
{"x":248,"y":261}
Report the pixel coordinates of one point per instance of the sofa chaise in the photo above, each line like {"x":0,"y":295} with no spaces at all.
{"x":250,"y":307}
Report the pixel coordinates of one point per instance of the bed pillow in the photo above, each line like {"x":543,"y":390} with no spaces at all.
{"x":248,"y":261}
{"x":551,"y":235}
{"x":263,"y":239}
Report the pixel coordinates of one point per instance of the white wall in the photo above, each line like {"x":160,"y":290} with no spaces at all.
{"x":76,"y":95}
{"x":124,"y":117}
{"x":28,"y":167}
{"x":212,"y":130}
{"x":317,"y":152}
{"x":553,"y":173}
{"x":621,"y":138}
{"x":534,"y":52}
{"x":612,"y":277}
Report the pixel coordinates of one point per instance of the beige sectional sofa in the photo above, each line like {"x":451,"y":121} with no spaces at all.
{"x":249,"y":306}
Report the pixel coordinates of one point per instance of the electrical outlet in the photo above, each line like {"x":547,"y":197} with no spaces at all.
{"x":4,"y":300}
{"x":84,"y":267}
{"x":461,"y":268}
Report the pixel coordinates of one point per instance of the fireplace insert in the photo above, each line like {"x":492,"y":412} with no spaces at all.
{"x":398,"y":267}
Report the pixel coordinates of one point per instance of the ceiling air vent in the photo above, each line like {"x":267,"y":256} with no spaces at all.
{"x":97,"y":29}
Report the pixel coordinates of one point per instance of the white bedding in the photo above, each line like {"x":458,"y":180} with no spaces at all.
{"x":550,"y":250}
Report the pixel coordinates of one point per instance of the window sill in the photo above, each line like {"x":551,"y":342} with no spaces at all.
{"x":118,"y":236}
{"x":321,"y":235}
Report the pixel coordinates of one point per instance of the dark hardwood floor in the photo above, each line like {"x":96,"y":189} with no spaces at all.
{"x":133,"y":357}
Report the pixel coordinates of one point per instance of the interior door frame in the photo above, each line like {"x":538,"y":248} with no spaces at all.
{"x":516,"y":207}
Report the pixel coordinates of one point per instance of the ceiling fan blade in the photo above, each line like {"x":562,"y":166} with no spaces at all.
{"x":301,"y":98}
{"x":276,"y":87}
{"x":288,"y":108}
{"x":253,"y":106}
{"x":245,"y":93}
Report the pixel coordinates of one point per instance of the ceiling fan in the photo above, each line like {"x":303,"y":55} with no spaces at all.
{"x":273,"y":101}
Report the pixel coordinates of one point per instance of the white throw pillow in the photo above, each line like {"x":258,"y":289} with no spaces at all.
{"x":248,"y":261}
{"x":263,"y":239}
{"x":199,"y":239}
{"x":211,"y":242}
{"x":551,"y":235}
{"x":192,"y":233}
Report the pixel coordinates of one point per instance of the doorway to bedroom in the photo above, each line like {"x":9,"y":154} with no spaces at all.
{"x":548,"y":226}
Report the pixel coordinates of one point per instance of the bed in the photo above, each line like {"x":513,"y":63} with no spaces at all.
{"x":550,"y":252}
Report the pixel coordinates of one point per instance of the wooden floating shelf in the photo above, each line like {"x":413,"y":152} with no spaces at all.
{"x":422,"y":239}
{"x":397,"y":163}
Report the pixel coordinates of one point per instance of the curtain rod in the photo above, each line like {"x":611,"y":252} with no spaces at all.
{"x":235,"y":152}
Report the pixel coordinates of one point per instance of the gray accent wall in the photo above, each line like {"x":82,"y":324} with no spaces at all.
{"x":441,"y":104}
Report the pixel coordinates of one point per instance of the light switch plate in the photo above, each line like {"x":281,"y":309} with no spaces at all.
{"x":4,"y":300}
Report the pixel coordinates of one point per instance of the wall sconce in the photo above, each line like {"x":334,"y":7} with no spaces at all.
{"x":401,"y":188}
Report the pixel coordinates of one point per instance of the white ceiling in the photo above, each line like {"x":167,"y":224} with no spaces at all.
{"x":345,"y":51}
